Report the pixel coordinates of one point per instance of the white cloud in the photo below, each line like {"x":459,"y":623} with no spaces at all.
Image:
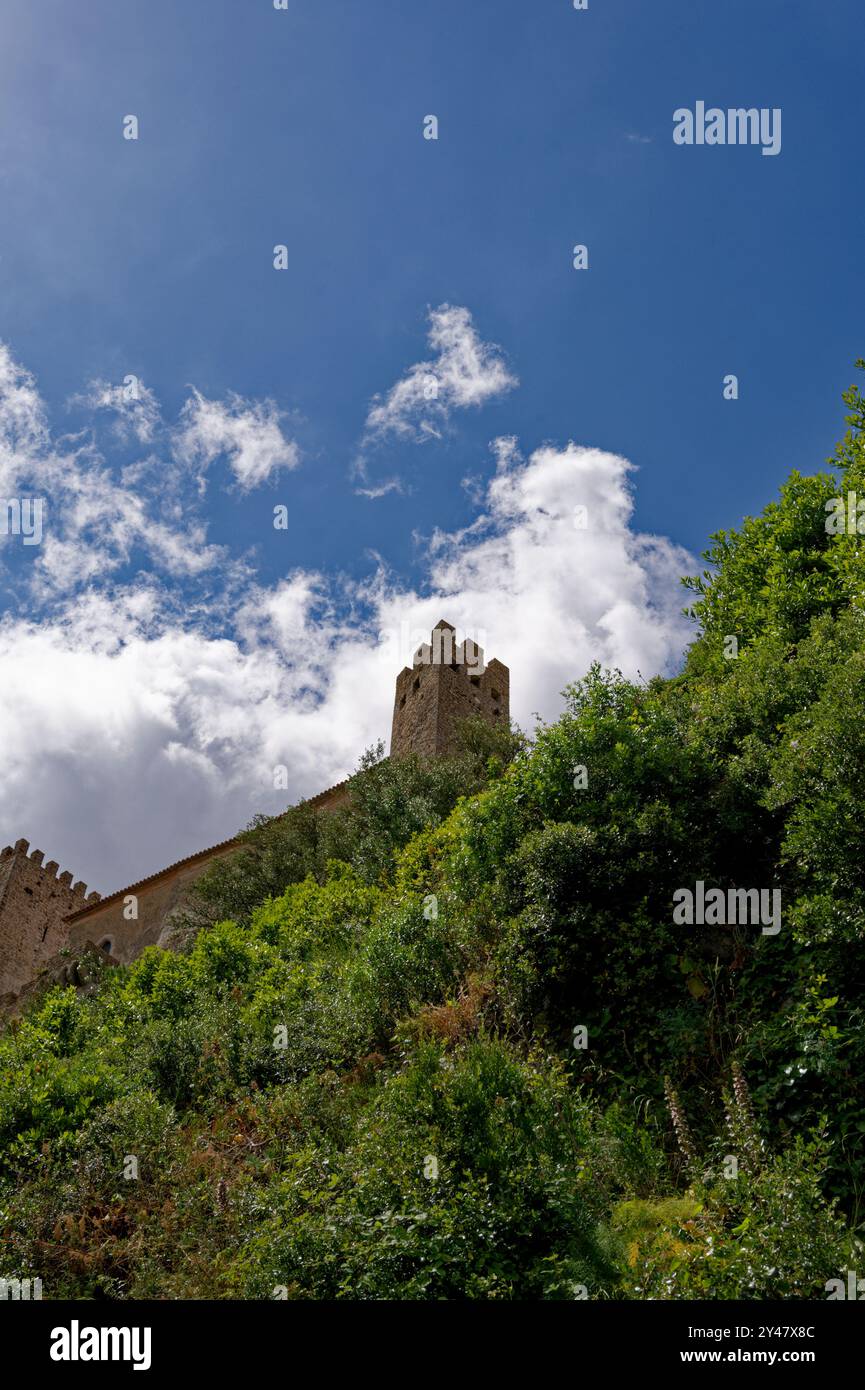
{"x":98,"y":519}
{"x":463,"y":372}
{"x":95,"y":525}
{"x":247,"y":433}
{"x":133,"y":404}
{"x":23,"y":429}
{"x":376,"y":490}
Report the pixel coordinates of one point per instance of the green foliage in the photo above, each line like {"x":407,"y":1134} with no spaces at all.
{"x":466,"y":1176}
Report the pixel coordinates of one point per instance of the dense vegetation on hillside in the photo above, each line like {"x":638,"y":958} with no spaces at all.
{"x":363,"y":1075}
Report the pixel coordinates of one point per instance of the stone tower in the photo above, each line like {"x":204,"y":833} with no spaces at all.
{"x":34,"y":901}
{"x":448,"y":682}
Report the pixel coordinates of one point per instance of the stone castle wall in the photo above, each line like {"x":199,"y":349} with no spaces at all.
{"x":34,"y":903}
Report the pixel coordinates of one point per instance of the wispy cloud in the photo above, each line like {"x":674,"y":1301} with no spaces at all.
{"x":462,"y":372}
{"x":247,"y":433}
{"x":134,"y":406}
{"x":101,"y":518}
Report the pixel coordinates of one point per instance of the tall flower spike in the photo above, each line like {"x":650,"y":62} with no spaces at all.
{"x":680,"y":1124}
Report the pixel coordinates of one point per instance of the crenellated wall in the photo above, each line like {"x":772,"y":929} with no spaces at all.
{"x":34,"y":901}
{"x":448,"y":682}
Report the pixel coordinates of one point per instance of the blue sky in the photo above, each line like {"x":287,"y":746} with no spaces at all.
{"x":304,"y":128}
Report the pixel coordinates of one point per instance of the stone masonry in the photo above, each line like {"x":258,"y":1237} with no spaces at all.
{"x":34,"y":903}
{"x":448,"y":682}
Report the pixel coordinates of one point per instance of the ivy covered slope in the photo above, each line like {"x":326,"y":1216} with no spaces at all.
{"x":357,"y":1077}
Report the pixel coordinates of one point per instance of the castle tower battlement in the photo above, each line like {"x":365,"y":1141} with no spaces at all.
{"x":34,"y":900}
{"x":448,"y":681}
